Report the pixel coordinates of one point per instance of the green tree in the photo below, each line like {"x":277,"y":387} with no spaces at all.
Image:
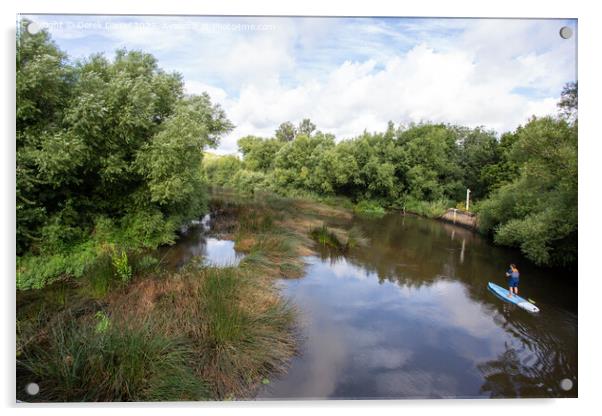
{"x":259,"y":153}
{"x":103,"y":145}
{"x":478,"y":148}
{"x":306,"y":127}
{"x":568,"y":103}
{"x":286,"y":132}
{"x":43,"y":83}
{"x":538,"y":210}
{"x":429,"y":162}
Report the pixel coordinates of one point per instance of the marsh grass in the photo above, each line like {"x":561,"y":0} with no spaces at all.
{"x":122,"y":363}
{"x":338,"y":239}
{"x":323,"y":236}
{"x":201,"y":332}
{"x":432,"y":209}
{"x":241,"y":329}
{"x":369,"y":209}
{"x":100,"y":277}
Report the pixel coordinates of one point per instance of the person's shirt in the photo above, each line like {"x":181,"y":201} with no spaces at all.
{"x":515,"y":275}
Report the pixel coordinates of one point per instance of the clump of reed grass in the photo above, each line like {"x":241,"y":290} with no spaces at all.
{"x":120,"y":363}
{"x":323,"y":236}
{"x":240,"y":326}
{"x":100,"y":277}
{"x":355,"y":238}
{"x":337,"y":239}
{"x":369,"y":209}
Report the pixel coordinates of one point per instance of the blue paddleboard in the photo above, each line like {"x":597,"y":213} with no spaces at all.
{"x":502,"y":293}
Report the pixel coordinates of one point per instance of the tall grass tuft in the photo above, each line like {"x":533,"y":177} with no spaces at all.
{"x":241,"y":329}
{"x":369,"y":209}
{"x":120,"y":363}
{"x":100,"y":277}
{"x":323,"y":236}
{"x":429,"y":209}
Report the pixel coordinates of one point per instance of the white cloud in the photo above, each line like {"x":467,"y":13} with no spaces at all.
{"x":423,"y":84}
{"x":348,"y":75}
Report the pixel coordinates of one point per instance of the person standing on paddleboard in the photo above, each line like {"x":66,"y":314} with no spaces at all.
{"x":513,"y":275}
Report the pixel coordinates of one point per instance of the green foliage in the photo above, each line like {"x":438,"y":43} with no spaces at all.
{"x":259,"y":153}
{"x":80,"y":363}
{"x":249,"y":181}
{"x":107,"y":152}
{"x":219,"y":170}
{"x":120,"y":261}
{"x":369,"y":209}
{"x":428,"y":162}
{"x":34,"y":272}
{"x":102,"y":322}
{"x":538,"y":210}
{"x":523,"y":185}
{"x":145,"y":263}
{"x":323,"y":236}
{"x":429,"y":209}
{"x":286,"y":132}
{"x":568,"y":103}
{"x":100,"y":276}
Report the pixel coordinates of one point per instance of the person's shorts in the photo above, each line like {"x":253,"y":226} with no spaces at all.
{"x":513,"y":282}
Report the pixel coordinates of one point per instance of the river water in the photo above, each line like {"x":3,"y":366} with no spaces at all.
{"x":410,"y":316}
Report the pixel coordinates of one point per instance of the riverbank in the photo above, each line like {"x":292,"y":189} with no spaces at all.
{"x":195,"y":333}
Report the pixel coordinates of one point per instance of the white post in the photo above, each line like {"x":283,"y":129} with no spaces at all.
{"x":467,"y":198}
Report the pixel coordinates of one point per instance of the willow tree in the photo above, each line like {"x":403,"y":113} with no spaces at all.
{"x":105,"y":141}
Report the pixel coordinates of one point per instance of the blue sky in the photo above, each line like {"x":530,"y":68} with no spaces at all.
{"x":346,"y":74}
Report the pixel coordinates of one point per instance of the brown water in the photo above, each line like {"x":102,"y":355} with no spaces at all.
{"x":410,"y":316}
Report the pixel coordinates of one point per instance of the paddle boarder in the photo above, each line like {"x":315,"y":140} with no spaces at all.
{"x":513,"y":276}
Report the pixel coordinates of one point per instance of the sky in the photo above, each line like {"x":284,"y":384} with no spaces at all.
{"x":347,"y":75}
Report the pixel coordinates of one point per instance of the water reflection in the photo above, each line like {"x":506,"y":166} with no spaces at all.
{"x":410,"y":317}
{"x":195,"y":243}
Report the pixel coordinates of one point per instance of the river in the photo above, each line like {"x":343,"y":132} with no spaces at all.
{"x":410,"y":316}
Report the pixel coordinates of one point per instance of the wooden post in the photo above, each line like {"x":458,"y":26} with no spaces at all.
{"x":467,"y":198}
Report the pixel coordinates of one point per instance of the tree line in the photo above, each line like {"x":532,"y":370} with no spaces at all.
{"x":524,"y":183}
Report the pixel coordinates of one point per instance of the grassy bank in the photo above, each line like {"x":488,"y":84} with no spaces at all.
{"x":131,"y":330}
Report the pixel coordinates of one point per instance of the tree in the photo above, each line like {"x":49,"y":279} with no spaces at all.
{"x":43,"y":85}
{"x":306,"y":127}
{"x":286,"y":132}
{"x":259,"y":153}
{"x":429,"y":162}
{"x":569,"y":101}
{"x":103,"y":145}
{"x":538,"y":210}
{"x":478,"y":148}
